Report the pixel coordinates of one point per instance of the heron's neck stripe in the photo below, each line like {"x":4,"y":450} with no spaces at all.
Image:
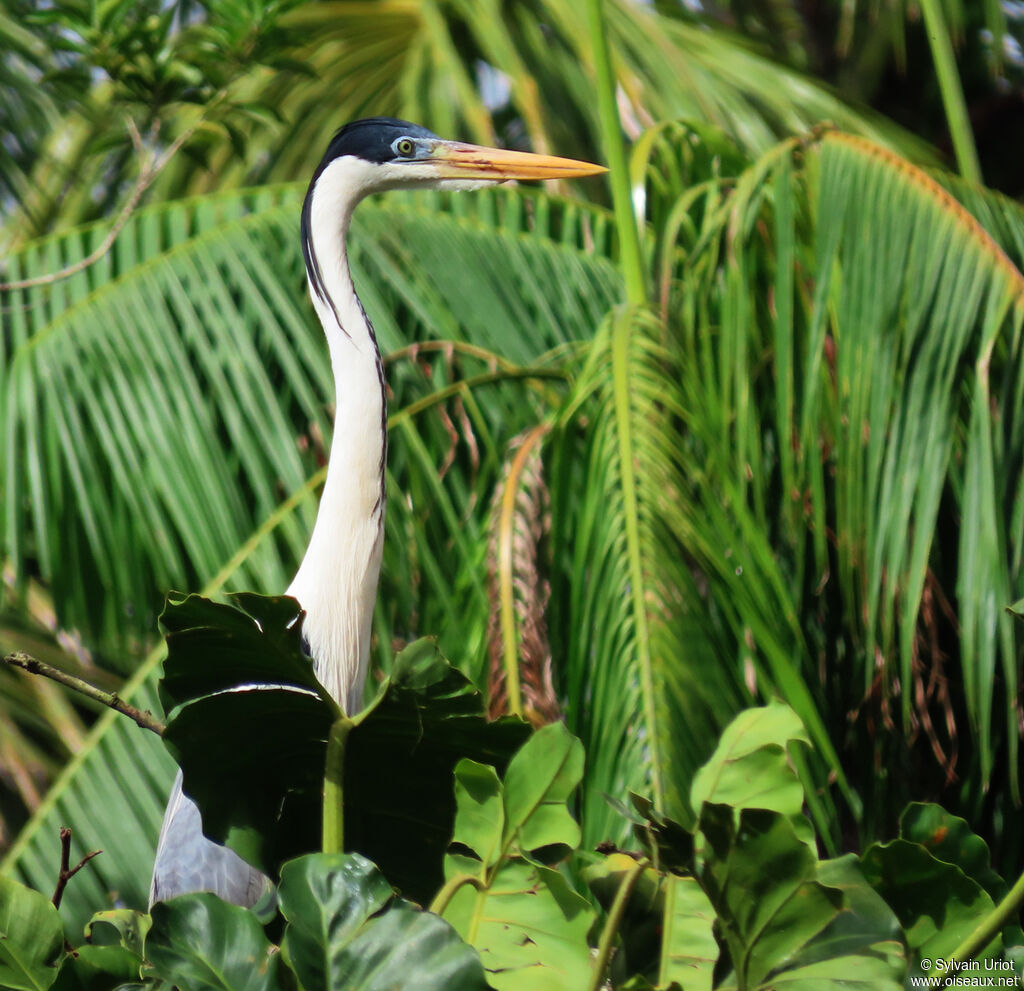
{"x":313,"y":272}
{"x":382,"y":382}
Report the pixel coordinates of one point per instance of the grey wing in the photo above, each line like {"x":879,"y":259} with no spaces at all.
{"x":187,"y":861}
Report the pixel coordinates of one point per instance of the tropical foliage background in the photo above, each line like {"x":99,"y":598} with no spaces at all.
{"x":761,"y":438}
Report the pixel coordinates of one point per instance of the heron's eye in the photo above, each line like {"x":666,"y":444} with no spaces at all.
{"x":405,"y":147}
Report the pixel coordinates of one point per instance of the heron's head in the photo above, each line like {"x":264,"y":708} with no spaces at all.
{"x":381,"y":153}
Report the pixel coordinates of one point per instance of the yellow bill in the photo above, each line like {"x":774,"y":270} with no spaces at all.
{"x":455,"y":160}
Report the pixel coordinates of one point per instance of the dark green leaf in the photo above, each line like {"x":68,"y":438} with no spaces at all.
{"x":399,"y":761}
{"x":948,"y":837}
{"x":861,"y":947}
{"x":213,"y":646}
{"x":937,"y":904}
{"x":264,"y":798}
{"x":347,"y":930}
{"x":200,"y":943}
{"x":98,"y":968}
{"x":761,"y":879}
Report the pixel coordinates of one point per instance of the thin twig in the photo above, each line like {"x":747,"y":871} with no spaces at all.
{"x":145,"y":719}
{"x":66,"y":871}
{"x":147,"y":174}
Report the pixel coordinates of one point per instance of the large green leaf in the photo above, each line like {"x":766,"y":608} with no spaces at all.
{"x":750,"y":768}
{"x":31,"y":938}
{"x":937,"y":904}
{"x":399,"y":762}
{"x":950,"y":839}
{"x":496,"y":821}
{"x":527,"y":923}
{"x":539,"y":781}
{"x":788,"y":921}
{"x":861,"y":947}
{"x":265,"y":799}
{"x":688,"y":947}
{"x":259,"y":640}
{"x":200,"y":943}
{"x":529,"y":811}
{"x":761,"y":880}
{"x":346,"y":929}
{"x":262,"y":798}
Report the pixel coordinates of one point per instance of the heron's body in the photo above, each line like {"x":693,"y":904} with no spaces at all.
{"x":336,"y":583}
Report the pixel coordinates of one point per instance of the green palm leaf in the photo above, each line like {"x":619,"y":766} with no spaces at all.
{"x":635,"y":651}
{"x":925,"y":364}
{"x":848,"y":334}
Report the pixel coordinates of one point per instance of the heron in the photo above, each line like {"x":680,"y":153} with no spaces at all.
{"x":336,"y":583}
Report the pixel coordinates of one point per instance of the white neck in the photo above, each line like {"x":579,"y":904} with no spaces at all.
{"x":336,"y":583}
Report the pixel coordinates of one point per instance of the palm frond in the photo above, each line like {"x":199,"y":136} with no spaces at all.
{"x":849,"y":336}
{"x":920,"y":362}
{"x":644,"y":688}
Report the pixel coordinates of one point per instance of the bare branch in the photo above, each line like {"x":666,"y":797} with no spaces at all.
{"x":66,"y":871}
{"x":144,"y":718}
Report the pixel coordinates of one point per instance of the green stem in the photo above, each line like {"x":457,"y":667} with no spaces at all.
{"x":615,"y":150}
{"x":952,"y":92}
{"x":989,"y":928}
{"x":447,"y":892}
{"x":334,"y":777}
{"x":612,"y":923}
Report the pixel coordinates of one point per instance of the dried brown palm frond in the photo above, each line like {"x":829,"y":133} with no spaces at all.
{"x":517,"y":630}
